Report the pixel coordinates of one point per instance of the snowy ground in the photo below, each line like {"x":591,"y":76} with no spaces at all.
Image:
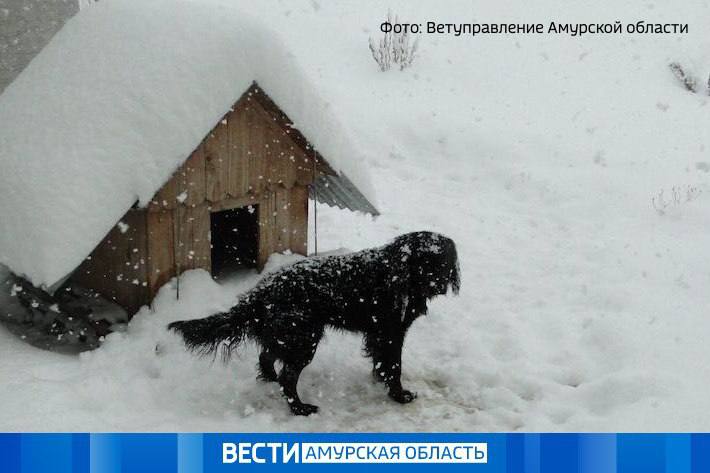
{"x":582,"y":307}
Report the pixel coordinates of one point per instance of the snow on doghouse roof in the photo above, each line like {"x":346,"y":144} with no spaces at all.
{"x":122,"y":95}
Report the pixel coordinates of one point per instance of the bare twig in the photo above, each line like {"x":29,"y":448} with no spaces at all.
{"x":679,"y":195}
{"x":393,"y":48}
{"x":688,"y":81}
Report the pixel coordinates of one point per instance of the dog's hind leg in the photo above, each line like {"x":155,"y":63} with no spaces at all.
{"x":386,"y":353}
{"x":266,"y":366}
{"x":288,"y":379}
{"x":292,"y":338}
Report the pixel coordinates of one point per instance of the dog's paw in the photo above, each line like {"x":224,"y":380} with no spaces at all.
{"x":267,"y":377}
{"x":302,"y":409}
{"x":403,"y":396}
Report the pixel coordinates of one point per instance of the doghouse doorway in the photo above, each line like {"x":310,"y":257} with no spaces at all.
{"x":234,"y":239}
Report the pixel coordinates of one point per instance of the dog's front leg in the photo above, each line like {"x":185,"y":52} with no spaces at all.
{"x":288,"y":379}
{"x":388,"y":367}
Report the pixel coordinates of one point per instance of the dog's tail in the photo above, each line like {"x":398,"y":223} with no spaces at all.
{"x":223,"y":331}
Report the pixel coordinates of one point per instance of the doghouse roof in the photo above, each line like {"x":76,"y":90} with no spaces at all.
{"x":121,"y":96}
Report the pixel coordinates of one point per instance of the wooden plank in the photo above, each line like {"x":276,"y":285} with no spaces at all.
{"x":188,"y":179}
{"x":133,"y":288}
{"x":270,"y":165}
{"x":304,"y":167}
{"x":216,"y":163}
{"x":166,"y":197}
{"x":255,"y":137}
{"x":192,"y":246}
{"x":281,"y":221}
{"x":239,"y":147}
{"x":161,"y":250}
{"x":278,"y":148}
{"x":290,"y":160}
{"x":266,"y":211}
{"x":299,"y":220}
{"x":233,"y":203}
{"x":201,"y":242}
{"x":193,"y":178}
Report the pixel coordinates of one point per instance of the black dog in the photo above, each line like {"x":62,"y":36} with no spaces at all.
{"x":378,"y":292}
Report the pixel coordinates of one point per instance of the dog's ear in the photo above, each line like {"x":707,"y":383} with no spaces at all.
{"x":400,"y":273}
{"x":455,"y":278}
{"x":450,"y":265}
{"x":399,"y":277}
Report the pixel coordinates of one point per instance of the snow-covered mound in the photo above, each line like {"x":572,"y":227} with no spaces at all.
{"x":118,"y":100}
{"x":582,"y":307}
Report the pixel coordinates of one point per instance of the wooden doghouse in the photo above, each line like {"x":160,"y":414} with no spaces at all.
{"x":239,"y":197}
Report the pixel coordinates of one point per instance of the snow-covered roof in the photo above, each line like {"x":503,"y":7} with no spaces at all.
{"x":119,"y":98}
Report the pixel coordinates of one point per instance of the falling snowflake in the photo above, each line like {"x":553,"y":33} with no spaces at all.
{"x":123,"y":227}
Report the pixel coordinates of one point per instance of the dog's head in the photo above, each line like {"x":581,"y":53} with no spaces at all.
{"x":431,"y":261}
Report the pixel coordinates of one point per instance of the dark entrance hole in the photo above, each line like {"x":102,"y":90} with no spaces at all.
{"x":234,"y":239}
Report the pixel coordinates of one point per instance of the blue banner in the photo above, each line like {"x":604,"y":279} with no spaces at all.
{"x":502,"y":453}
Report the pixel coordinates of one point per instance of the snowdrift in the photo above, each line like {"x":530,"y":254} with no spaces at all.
{"x":582,"y":308}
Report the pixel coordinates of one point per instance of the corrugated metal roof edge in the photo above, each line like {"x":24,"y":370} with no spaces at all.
{"x":339,"y":191}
